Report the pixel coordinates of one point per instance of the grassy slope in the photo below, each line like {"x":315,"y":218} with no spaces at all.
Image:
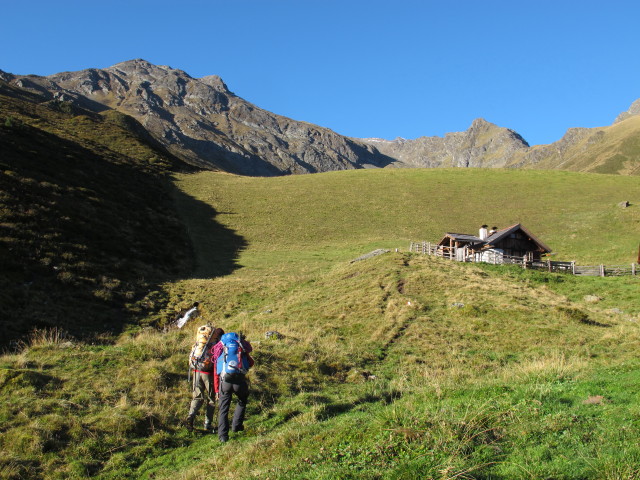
{"x":337,"y":215}
{"x":347,"y":322}
{"x":86,"y":225}
{"x":399,"y":366}
{"x":538,"y":335}
{"x":496,"y":386}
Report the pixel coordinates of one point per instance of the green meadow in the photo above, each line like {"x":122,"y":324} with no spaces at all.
{"x":398,"y":366}
{"x":341,"y":213}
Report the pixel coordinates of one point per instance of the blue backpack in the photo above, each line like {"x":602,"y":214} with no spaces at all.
{"x":233,"y":362}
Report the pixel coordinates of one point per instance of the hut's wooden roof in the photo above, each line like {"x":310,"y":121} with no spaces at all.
{"x":505,"y":232}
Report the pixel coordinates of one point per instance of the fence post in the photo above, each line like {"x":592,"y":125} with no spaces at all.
{"x":573,"y":267}
{"x":602,"y":271}
{"x":549,"y":264}
{"x":633,"y":269}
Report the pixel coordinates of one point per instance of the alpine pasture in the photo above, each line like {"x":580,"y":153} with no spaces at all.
{"x":397,"y":366}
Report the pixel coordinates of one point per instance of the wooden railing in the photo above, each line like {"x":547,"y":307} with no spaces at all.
{"x":450,"y":252}
{"x":426,"y":248}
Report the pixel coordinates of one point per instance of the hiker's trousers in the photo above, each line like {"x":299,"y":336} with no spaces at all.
{"x":203,"y":392}
{"x":227,"y":390}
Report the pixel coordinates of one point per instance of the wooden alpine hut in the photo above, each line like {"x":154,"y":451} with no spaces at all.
{"x":514,"y":244}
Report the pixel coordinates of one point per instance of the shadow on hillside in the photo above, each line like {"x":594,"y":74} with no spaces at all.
{"x":215,"y":246}
{"x":85,"y":236}
{"x":89,"y":231}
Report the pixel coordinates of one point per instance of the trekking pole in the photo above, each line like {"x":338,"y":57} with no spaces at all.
{"x":191,"y":366}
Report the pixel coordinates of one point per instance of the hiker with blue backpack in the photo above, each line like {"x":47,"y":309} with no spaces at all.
{"x":232,"y":358}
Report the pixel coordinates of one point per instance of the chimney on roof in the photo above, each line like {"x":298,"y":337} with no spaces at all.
{"x":483,"y":232}
{"x":493,"y":230}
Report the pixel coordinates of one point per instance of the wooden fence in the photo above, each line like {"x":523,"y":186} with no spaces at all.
{"x":427,"y":248}
{"x":607,"y":270}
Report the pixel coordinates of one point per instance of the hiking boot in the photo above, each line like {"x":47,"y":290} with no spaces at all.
{"x":224,"y":439}
{"x":209,"y":428}
{"x":237,"y":429}
{"x":189,"y":423}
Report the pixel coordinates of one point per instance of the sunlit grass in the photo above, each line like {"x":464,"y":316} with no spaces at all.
{"x":338,"y":214}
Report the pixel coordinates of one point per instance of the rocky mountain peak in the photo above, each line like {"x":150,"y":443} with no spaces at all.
{"x":633,"y":111}
{"x":144,"y":68}
{"x":479,"y":123}
{"x":216,"y":82}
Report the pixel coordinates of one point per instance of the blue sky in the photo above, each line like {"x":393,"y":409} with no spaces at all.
{"x":363,"y":68}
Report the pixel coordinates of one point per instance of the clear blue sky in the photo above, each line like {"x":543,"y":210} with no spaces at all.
{"x":364,"y":68}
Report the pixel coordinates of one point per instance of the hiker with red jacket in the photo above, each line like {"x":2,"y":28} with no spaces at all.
{"x":232,"y":360}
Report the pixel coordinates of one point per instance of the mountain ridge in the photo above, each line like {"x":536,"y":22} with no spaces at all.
{"x":205,"y":124}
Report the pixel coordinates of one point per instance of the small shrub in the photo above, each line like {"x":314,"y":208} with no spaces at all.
{"x":104,"y":294}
